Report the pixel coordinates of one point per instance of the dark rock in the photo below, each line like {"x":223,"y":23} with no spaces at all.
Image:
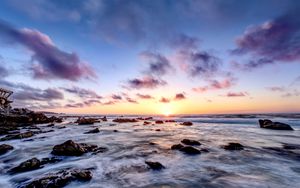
{"x":116,"y":131}
{"x":157,"y":130}
{"x":233,"y":146}
{"x":146,"y":122}
{"x":85,"y":121}
{"x":50,"y":160}
{"x":154,"y":165}
{"x":268,"y":124}
{"x":59,"y":179}
{"x":177,"y":147}
{"x":70,"y":148}
{"x":190,"y":150}
{"x":31,"y":164}
{"x":291,"y":146}
{"x":18,"y":136}
{"x":204,"y":150}
{"x":4,"y":148}
{"x":159,"y":122}
{"x":96,"y":130}
{"x":104,"y":118}
{"x":170,"y":121}
{"x":51,"y":125}
{"x":190,"y":142}
{"x":187,"y":123}
{"x":125,"y":120}
{"x":152,"y":143}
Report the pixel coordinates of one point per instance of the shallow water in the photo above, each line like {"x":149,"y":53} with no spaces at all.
{"x":123,"y":164}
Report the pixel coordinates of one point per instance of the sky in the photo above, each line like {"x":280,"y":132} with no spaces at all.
{"x":151,"y":57}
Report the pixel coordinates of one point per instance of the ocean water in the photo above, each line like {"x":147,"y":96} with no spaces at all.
{"x":123,"y":165}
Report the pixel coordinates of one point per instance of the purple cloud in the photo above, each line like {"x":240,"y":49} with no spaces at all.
{"x":184,"y":42}
{"x":116,"y":97}
{"x":237,"y":94}
{"x":179,"y":96}
{"x":3,"y":72}
{"x":294,"y":93}
{"x":130,"y":100}
{"x":147,"y":82}
{"x":216,"y":85}
{"x":158,"y":64}
{"x":48,"y":61}
{"x":144,"y":96}
{"x":273,"y":41}
{"x":164,"y":100}
{"x":276,"y":89}
{"x":82,"y":93}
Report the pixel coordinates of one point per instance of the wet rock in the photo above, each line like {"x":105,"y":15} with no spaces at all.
{"x":96,"y":130}
{"x":147,"y":122}
{"x":18,"y":136}
{"x":104,"y":118}
{"x":190,"y":142}
{"x":59,"y":179}
{"x":116,"y":131}
{"x":186,"y":123}
{"x":170,"y":121}
{"x":4,"y":148}
{"x":31,"y":164}
{"x":51,"y":125}
{"x":154,"y":165}
{"x":233,"y":146}
{"x":177,"y":146}
{"x":190,"y":150}
{"x":152,"y":143}
{"x":291,"y":146}
{"x":204,"y":150}
{"x":268,"y":124}
{"x":159,"y":122}
{"x":85,"y":121}
{"x":157,"y":130}
{"x":50,"y":160}
{"x":125,"y":120}
{"x":70,"y":148}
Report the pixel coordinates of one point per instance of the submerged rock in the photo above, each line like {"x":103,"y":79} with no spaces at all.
{"x":177,"y":146}
{"x":186,"y":123}
{"x":154,"y":165}
{"x":96,"y":130}
{"x":190,"y":150}
{"x":4,"y":148}
{"x":31,"y":164}
{"x":18,"y":136}
{"x":268,"y":124}
{"x":59,"y":179}
{"x":233,"y":146}
{"x":190,"y":142}
{"x":125,"y":120}
{"x":70,"y":148}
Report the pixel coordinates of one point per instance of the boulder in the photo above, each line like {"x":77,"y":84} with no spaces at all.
{"x":31,"y":164}
{"x":125,"y":120}
{"x":190,"y":142}
{"x":186,"y":123}
{"x":4,"y":148}
{"x":233,"y":146}
{"x":159,"y":122}
{"x":154,"y":165}
{"x":177,"y":146}
{"x":70,"y":148}
{"x":190,"y":150}
{"x":96,"y":130}
{"x":268,"y":124}
{"x":59,"y":179}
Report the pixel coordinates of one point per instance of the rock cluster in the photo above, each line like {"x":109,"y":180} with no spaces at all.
{"x":268,"y":124}
{"x":125,"y":120}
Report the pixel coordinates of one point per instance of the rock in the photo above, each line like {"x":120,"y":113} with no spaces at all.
{"x":190,"y":150}
{"x":177,"y":147}
{"x":154,"y":165}
{"x":4,"y":148}
{"x":116,"y":131}
{"x":152,"y":143}
{"x":268,"y":124}
{"x":233,"y":146}
{"x":204,"y":150}
{"x":59,"y":179}
{"x":85,"y":121}
{"x":291,"y":146}
{"x":50,"y":160}
{"x":190,"y":142}
{"x":170,"y":121}
{"x":186,"y":123}
{"x":51,"y":125}
{"x":159,"y":122}
{"x":18,"y":136}
{"x":146,"y":122}
{"x":70,"y":148}
{"x":125,"y":120}
{"x":104,"y":118}
{"x":31,"y":164}
{"x":96,"y":130}
{"x":157,"y":130}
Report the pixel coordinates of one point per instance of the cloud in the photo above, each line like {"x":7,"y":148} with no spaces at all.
{"x":237,"y":94}
{"x":48,"y":61}
{"x":3,"y":72}
{"x":144,"y":96}
{"x":130,"y":100}
{"x":158,"y":64}
{"x":294,"y":93}
{"x":179,"y":96}
{"x":147,"y":82}
{"x":273,"y":41}
{"x":164,"y":100}
{"x":183,"y":42}
{"x":216,"y":85}
{"x":116,"y":97}
{"x":276,"y":89}
{"x":82,"y":93}
{"x":38,"y":94}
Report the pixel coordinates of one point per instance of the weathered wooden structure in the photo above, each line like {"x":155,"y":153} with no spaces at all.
{"x":4,"y":100}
